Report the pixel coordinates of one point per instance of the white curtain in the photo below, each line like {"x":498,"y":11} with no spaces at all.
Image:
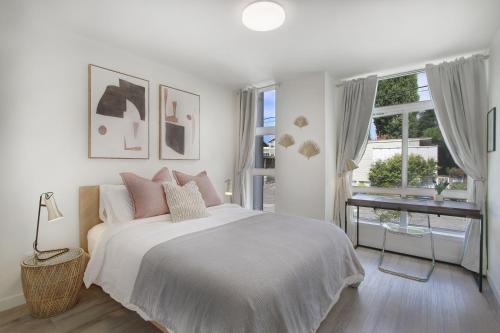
{"x":245,"y":148}
{"x":358,"y":97}
{"x":459,"y":93}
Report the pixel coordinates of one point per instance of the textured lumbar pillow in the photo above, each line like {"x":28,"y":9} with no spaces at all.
{"x":185,"y":202}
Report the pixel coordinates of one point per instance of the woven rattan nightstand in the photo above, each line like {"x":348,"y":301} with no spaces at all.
{"x":51,"y":287}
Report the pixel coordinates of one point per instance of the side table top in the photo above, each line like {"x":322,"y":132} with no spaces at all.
{"x":72,"y":254}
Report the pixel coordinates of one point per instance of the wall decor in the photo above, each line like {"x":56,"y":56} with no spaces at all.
{"x":301,"y":121}
{"x":118,"y":114}
{"x":492,"y":130}
{"x":286,"y":140}
{"x":309,"y":149}
{"x":179,"y":124}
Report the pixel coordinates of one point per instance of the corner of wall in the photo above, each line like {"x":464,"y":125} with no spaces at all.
{"x":330,"y":144}
{"x":493,"y":214}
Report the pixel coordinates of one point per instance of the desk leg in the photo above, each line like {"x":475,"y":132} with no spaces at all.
{"x":357,"y":227}
{"x":480,"y":275}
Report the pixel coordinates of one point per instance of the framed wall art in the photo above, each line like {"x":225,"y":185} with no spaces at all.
{"x":118,"y":115}
{"x":179,"y":124}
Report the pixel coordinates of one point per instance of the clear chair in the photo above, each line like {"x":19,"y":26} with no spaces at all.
{"x":408,"y":231}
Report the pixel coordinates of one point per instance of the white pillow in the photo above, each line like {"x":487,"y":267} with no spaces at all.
{"x":119,"y":206}
{"x":186,"y":202}
{"x":103,"y":214}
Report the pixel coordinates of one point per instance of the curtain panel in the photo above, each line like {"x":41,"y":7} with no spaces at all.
{"x":459,"y":92}
{"x":245,"y":147}
{"x":358,"y":98}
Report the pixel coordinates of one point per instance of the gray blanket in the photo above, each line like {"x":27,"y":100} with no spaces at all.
{"x":266,"y":273}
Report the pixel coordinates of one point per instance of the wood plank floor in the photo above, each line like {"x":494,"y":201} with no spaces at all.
{"x":449,"y":303}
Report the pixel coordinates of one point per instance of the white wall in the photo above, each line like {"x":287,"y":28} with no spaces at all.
{"x":493,"y":177}
{"x":305,"y":186}
{"x":43,"y":134}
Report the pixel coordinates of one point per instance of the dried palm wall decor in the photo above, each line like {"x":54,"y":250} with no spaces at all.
{"x":309,"y":149}
{"x":286,"y":140}
{"x":301,"y":121}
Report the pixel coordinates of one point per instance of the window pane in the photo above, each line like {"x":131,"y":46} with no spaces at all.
{"x":402,"y":90}
{"x":376,"y":216}
{"x":269,"y":193}
{"x":264,"y":192}
{"x":264,"y":151}
{"x":451,"y":223}
{"x":269,"y":107}
{"x":381,"y":163}
{"x":428,"y":156}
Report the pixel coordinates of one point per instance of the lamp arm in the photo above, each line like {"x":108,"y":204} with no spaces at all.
{"x":35,"y":243}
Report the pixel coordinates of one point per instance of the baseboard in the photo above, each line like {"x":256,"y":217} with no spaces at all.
{"x":494,"y":287}
{"x":11,"y":301}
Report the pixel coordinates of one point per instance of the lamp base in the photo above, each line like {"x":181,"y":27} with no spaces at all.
{"x":57,"y":252}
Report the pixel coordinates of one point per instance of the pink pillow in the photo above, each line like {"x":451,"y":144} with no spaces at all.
{"x":205,"y":186}
{"x":147,"y":195}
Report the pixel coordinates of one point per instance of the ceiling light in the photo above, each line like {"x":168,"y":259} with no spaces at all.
{"x":263,"y":16}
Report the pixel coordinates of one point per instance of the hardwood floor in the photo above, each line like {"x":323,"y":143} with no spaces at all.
{"x":449,"y":302}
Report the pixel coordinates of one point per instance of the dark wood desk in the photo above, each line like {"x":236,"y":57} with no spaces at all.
{"x":447,"y":208}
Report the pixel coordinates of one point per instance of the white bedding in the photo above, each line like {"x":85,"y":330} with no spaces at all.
{"x":117,"y":256}
{"x":94,"y":235}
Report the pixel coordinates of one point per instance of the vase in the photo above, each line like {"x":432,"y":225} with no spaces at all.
{"x":438,"y":197}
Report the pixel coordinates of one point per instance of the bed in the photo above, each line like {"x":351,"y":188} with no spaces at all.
{"x":237,"y":270}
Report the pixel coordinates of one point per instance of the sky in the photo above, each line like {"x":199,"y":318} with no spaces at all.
{"x":269,"y":112}
{"x":269,"y":108}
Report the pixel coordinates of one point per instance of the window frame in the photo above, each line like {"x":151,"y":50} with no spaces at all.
{"x":405,"y":190}
{"x":261,"y":131}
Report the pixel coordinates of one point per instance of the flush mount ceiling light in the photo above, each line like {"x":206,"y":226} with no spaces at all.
{"x":263,"y":16}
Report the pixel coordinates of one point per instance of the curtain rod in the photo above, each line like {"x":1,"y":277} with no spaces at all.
{"x":268,"y":86}
{"x":259,"y":88}
{"x":415,"y":71}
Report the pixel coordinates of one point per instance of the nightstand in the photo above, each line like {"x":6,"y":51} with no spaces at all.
{"x":51,"y":287}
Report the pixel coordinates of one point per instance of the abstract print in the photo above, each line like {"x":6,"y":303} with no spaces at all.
{"x":179,"y":124}
{"x":118,"y":115}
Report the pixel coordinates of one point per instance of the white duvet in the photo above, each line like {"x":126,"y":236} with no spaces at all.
{"x":117,"y":256}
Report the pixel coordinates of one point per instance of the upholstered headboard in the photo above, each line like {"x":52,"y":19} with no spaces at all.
{"x":89,"y":212}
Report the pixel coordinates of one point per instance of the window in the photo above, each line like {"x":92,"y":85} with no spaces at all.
{"x":264,"y":185}
{"x":406,"y":152}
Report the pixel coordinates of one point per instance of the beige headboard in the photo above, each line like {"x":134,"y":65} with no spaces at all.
{"x":89,"y":212}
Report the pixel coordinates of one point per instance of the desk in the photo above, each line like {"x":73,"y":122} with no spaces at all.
{"x":447,"y":208}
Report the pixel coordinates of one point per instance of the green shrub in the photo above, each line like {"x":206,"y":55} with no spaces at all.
{"x":387,"y":173}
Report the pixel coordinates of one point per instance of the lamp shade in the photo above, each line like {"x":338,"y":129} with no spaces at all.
{"x":53,"y":213}
{"x":228,"y":188}
{"x":350,"y":165}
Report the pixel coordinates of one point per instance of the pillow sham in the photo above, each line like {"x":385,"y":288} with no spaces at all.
{"x":204,"y":184}
{"x":119,"y":206}
{"x":148,"y":197}
{"x":185,"y":202}
{"x":103,"y":189}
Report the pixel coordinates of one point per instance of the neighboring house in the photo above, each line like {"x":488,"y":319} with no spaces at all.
{"x":269,"y":150}
{"x":385,"y":149}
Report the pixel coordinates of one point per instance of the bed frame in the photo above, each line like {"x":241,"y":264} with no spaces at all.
{"x":89,"y":217}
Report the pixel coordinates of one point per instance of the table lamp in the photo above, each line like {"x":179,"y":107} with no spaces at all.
{"x":53,"y":214}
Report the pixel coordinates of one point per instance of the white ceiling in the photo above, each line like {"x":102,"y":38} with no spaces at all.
{"x":343,"y":37}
